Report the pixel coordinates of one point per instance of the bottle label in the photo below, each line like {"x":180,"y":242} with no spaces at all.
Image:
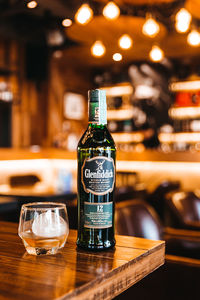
{"x":98,"y":215}
{"x":98,"y":175}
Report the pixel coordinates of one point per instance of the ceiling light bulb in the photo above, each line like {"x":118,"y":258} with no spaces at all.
{"x":125,"y":41}
{"x":150,"y":27}
{"x":182,"y":26}
{"x":156,"y":54}
{"x":32,"y":4}
{"x":193,"y":38}
{"x":84,"y":14}
{"x":117,"y":57}
{"x":98,"y":49}
{"x":183,"y":20}
{"x":111,"y":11}
{"x":183,"y":15}
{"x":67,"y":22}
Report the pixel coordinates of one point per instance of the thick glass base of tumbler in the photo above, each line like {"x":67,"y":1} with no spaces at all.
{"x":41,"y":251}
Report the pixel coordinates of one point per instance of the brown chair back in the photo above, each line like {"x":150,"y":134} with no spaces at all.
{"x":184,"y":210}
{"x":137,"y":218}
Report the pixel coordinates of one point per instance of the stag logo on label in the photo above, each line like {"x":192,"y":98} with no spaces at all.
{"x":100,"y":165}
{"x":98,"y":175}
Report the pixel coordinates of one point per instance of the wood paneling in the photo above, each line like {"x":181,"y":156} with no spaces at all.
{"x":65,"y":76}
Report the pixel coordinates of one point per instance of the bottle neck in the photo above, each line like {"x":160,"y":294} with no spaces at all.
{"x":96,"y":126}
{"x":97,"y":112}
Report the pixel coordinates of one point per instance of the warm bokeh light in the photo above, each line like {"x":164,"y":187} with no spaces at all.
{"x":125,"y":41}
{"x":193,"y":38}
{"x":183,"y":19}
{"x":180,"y":137}
{"x":58,"y":54}
{"x":193,"y":85}
{"x":150,"y":28}
{"x":32,"y":4}
{"x":84,"y":14}
{"x":119,"y":115}
{"x":67,"y":22}
{"x":183,"y":15}
{"x":98,"y":49}
{"x":117,"y":57}
{"x":156,"y":54}
{"x":128,"y":137}
{"x":111,"y":11}
{"x":182,"y":27}
{"x":120,"y":90}
{"x":181,"y":113}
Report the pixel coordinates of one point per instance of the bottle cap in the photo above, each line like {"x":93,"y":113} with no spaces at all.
{"x":96,"y":95}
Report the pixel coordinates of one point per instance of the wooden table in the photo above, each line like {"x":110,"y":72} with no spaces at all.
{"x":72,"y":273}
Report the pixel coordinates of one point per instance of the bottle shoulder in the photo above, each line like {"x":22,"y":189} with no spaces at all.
{"x":98,"y":136}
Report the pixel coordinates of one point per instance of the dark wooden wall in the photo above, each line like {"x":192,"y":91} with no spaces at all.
{"x":37,"y":108}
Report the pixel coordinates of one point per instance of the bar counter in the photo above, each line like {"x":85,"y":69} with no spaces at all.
{"x":72,"y":273}
{"x":54,"y":153}
{"x":152,"y":167}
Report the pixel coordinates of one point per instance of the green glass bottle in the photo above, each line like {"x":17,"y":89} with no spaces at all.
{"x":96,"y":179}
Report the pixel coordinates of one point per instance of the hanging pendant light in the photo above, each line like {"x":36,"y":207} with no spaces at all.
{"x":183,"y":19}
{"x":111,"y":11}
{"x":156,"y":54}
{"x":125,"y":42}
{"x":84,"y":14}
{"x":66,"y":22}
{"x":150,"y":28}
{"x":32,"y":4}
{"x":193,"y":38}
{"x":98,"y":49}
{"x":117,"y":57}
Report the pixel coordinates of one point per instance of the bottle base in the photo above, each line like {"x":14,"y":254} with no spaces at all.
{"x":92,"y":247}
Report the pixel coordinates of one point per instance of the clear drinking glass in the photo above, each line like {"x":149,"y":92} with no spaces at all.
{"x":43,"y":227}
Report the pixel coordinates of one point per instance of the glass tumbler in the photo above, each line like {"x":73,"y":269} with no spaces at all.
{"x":43,"y":227}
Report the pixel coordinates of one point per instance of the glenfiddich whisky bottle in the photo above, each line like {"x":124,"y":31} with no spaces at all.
{"x":96,"y":179}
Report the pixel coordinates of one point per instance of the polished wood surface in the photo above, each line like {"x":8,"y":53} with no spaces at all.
{"x":74,"y":274}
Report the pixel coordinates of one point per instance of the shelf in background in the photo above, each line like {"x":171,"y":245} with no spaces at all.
{"x":54,"y":153}
{"x":128,"y":137}
{"x":120,"y":114}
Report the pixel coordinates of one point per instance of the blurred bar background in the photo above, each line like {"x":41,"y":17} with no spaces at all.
{"x":146,"y":55}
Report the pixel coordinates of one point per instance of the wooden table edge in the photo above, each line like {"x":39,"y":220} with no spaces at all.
{"x":118,"y":280}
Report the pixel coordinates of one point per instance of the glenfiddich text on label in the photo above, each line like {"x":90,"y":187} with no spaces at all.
{"x":98,"y":175}
{"x":107,"y":174}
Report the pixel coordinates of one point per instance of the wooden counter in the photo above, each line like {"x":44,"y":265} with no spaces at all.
{"x":54,"y":153}
{"x":152,"y":167}
{"x":74,"y":274}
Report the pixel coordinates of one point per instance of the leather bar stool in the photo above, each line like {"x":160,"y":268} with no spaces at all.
{"x":137,"y":218}
{"x":183,"y":210}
